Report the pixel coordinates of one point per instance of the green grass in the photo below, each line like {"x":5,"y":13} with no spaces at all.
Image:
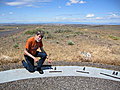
{"x":49,"y":36}
{"x":114,"y":37}
{"x":70,"y":42}
{"x":31,"y":32}
{"x":16,"y":45}
{"x":62,"y":31}
{"x":79,"y":33}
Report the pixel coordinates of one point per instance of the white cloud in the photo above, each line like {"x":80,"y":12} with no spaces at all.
{"x":10,"y":12}
{"x":90,"y":15}
{"x":98,"y":18}
{"x":75,"y":2}
{"x":68,"y":3}
{"x":15,"y":3}
{"x":82,"y":2}
{"x":25,"y":2}
{"x":5,"y":14}
{"x":113,"y":15}
{"x":59,"y":7}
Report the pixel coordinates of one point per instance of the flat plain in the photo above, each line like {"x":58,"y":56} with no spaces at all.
{"x":63,"y":42}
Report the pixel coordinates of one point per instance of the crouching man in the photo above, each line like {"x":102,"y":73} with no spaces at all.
{"x":30,"y":53}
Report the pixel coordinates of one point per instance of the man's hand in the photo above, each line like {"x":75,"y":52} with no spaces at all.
{"x":49,"y":60}
{"x":36,"y":60}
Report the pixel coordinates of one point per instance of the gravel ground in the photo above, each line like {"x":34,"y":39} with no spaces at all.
{"x":62,"y":83}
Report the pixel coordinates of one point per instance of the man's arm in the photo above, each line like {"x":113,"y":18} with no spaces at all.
{"x":42,"y":50}
{"x":30,"y":55}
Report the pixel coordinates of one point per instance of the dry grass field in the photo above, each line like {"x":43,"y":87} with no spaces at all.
{"x":82,"y":43}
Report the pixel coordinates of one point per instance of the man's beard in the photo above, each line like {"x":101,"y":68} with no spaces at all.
{"x":38,"y":40}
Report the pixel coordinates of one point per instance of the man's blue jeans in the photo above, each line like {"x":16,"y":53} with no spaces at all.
{"x":29,"y":64}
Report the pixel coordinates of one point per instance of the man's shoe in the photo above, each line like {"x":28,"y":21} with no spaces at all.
{"x":40,"y":71}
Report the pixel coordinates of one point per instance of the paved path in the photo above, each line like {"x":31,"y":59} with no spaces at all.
{"x":55,"y":71}
{"x":10,"y":32}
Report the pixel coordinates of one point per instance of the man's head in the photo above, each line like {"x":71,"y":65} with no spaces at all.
{"x":39,"y":35}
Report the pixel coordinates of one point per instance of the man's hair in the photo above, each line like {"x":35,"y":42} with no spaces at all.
{"x":40,"y":33}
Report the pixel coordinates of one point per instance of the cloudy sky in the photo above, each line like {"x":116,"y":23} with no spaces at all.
{"x":67,"y":11}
